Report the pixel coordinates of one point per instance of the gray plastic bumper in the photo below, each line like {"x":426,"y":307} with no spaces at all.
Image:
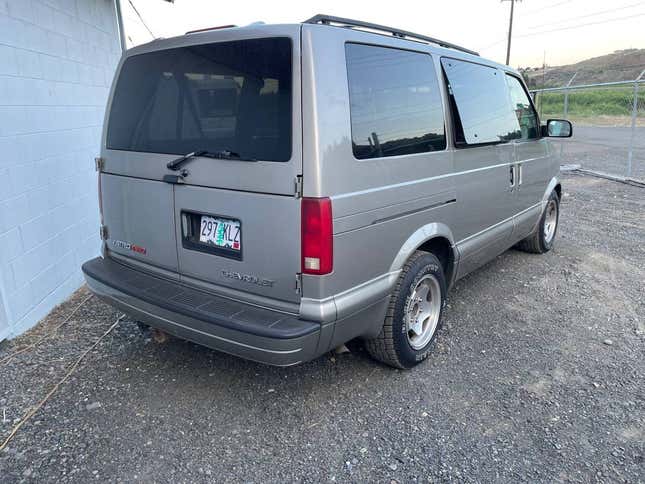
{"x":243,"y":330}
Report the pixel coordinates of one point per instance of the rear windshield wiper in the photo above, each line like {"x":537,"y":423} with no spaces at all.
{"x":220,"y":155}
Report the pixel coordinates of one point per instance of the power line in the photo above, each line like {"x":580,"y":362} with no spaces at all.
{"x":493,"y":44}
{"x":588,"y":15}
{"x":546,"y":7}
{"x":141,"y":18}
{"x":573,"y":27}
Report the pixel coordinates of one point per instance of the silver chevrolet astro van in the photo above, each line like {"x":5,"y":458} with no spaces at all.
{"x":274,"y":191}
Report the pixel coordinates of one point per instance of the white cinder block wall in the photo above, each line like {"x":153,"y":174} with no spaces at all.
{"x":57,"y":59}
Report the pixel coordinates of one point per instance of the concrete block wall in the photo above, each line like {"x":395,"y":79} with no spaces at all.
{"x":57,"y":60}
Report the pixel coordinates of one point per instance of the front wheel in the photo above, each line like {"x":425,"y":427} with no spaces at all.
{"x":414,"y":313}
{"x":542,"y":238}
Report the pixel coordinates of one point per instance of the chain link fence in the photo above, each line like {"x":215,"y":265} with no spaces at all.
{"x":609,"y":125}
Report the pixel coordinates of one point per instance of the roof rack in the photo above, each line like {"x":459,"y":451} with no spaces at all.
{"x":403,"y":34}
{"x":210,"y":28}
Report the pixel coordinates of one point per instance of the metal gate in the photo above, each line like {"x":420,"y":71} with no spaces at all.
{"x":609,"y":125}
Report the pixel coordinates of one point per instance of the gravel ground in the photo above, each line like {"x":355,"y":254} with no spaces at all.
{"x":537,"y":375}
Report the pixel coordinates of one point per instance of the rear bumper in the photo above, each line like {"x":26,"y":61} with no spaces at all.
{"x":243,"y":330}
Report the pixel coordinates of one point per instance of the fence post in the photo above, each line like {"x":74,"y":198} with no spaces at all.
{"x":630,"y":155}
{"x":566,"y":106}
{"x":566,"y":96}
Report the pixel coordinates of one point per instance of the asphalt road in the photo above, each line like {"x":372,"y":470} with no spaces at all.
{"x":617,"y":137}
{"x":605,"y":149}
{"x":536,"y":376}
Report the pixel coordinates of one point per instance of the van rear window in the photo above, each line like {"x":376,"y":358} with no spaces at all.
{"x":233,"y":96}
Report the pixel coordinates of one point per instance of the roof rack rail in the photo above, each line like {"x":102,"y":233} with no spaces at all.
{"x":346,"y":22}
{"x":210,"y":28}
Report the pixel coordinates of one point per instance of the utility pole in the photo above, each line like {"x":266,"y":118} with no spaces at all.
{"x":510,"y":31}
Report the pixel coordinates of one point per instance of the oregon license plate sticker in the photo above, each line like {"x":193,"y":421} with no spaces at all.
{"x":220,"y":232}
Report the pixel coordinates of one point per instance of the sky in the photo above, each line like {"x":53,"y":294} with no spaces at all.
{"x":562,"y":31}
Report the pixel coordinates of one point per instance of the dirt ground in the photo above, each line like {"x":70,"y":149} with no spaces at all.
{"x":538,"y":375}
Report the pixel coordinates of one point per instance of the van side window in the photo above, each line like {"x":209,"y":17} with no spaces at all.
{"x":395,"y":103}
{"x":480,"y":95}
{"x":523,"y":108}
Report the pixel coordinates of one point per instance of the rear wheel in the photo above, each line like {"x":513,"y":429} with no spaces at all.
{"x":543,"y":237}
{"x":414,"y":314}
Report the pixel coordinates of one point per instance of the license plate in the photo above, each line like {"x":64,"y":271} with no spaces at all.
{"x":220,"y":232}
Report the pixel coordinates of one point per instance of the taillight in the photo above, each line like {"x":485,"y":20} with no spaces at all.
{"x":317,"y":237}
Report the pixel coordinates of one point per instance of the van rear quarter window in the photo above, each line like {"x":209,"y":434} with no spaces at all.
{"x":482,"y":100}
{"x":234,"y":96}
{"x":395,"y":103}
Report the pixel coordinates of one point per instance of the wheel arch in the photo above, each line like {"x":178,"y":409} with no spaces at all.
{"x":443,"y":249}
{"x":435,"y":238}
{"x":554,"y":184}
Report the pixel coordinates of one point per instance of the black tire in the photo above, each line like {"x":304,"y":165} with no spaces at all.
{"x":536,"y":243}
{"x":392,"y":345}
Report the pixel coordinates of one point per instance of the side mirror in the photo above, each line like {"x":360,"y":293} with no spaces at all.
{"x":558,"y":128}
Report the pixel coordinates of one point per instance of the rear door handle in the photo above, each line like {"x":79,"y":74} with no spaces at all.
{"x":512,"y":175}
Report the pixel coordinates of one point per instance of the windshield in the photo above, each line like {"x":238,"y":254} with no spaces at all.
{"x":233,"y":96}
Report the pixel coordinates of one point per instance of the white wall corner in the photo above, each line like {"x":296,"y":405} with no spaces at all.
{"x":4,"y":317}
{"x":56,"y":63}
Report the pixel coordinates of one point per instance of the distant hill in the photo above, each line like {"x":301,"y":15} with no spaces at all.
{"x":621,"y":65}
